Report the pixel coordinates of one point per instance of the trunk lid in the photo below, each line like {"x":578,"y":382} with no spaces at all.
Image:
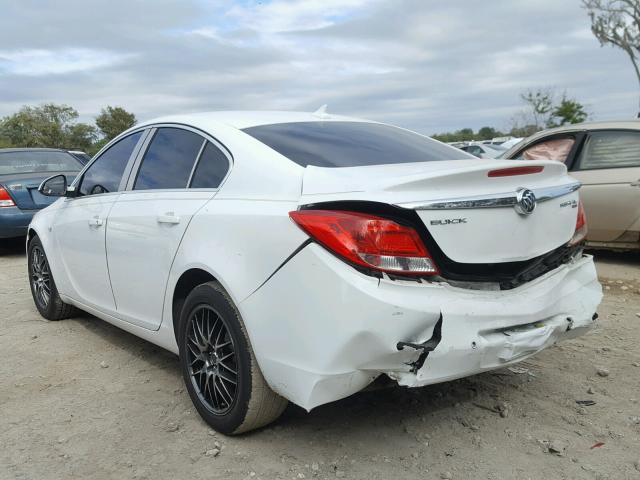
{"x":23,"y":188}
{"x":456,"y":202}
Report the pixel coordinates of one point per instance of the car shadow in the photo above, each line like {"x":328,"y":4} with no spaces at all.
{"x":464,"y":399}
{"x":616,"y":257}
{"x":12,"y":247}
{"x":377,"y":406}
{"x":153,"y":355}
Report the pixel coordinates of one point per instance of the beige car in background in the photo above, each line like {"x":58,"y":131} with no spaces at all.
{"x":605,"y":157}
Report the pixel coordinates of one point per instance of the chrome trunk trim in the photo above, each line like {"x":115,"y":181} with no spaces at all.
{"x":499,"y":200}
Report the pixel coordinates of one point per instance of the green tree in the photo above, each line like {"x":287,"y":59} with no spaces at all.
{"x":112,"y":121}
{"x":488,"y":133}
{"x":47,"y":125}
{"x":617,"y":23}
{"x":523,"y":131}
{"x":539,"y":105}
{"x":568,"y":111}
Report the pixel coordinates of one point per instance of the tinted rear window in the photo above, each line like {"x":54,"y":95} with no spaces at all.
{"x":211,"y":169}
{"x":28,"y":162}
{"x":351,"y":144}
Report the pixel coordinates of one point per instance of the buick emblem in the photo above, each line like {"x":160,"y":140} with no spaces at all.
{"x":525,"y":202}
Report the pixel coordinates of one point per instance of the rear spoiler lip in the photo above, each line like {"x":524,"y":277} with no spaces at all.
{"x":508,"y":199}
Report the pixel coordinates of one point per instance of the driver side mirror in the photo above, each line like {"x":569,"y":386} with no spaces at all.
{"x":55,"y":186}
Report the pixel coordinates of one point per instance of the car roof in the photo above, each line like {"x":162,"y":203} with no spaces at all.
{"x":609,"y":125}
{"x":247,"y":119}
{"x":30,"y":149}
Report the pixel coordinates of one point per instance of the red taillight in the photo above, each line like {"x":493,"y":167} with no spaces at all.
{"x":5,"y":199}
{"x":581,"y":226}
{"x":510,"y":172}
{"x":368,"y":240}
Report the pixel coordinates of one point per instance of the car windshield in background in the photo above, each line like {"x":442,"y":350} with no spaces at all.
{"x":28,"y":162}
{"x":351,"y":144}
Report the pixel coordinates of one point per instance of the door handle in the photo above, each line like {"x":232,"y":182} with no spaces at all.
{"x":636,"y":183}
{"x":169,"y":218}
{"x":95,"y":221}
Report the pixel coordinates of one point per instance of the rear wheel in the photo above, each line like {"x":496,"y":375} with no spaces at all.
{"x":218,"y":365}
{"x":43,"y":288}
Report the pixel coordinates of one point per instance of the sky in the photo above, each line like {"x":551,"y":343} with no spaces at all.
{"x":427,"y":65}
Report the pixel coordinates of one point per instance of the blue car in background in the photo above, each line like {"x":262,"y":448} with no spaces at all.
{"x":21,"y":172}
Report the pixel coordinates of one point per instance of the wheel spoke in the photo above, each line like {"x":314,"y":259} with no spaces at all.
{"x":200,"y":332}
{"x":228,"y":355}
{"x":229,"y":368}
{"x":207,"y":388}
{"x":226,"y":390}
{"x":224,"y":377}
{"x":217,"y":399}
{"x":220,"y":391}
{"x":197,"y":354}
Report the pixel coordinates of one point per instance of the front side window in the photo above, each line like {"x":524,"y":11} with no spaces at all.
{"x":557,"y":149}
{"x":612,"y":149}
{"x":351,"y":144}
{"x":169,"y":159}
{"x":212,"y":168}
{"x":104,"y":175}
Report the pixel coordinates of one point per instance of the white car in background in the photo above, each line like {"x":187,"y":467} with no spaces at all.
{"x":298,"y":257}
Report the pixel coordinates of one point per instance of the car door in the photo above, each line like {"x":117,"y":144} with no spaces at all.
{"x":609,"y":169}
{"x":177,"y":174}
{"x":80,"y":223}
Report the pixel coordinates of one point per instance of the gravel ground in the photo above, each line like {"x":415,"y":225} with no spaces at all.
{"x":82,"y":399}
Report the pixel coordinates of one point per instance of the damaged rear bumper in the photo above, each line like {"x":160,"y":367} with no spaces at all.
{"x":322,"y":331}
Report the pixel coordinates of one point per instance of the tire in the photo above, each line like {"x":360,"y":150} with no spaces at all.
{"x":219,"y":367}
{"x":43,"y":287}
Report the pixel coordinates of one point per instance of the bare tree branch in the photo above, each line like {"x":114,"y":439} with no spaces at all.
{"x":617,"y":23}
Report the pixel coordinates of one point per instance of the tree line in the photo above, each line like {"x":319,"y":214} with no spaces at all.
{"x":56,"y":126}
{"x":544,"y":108}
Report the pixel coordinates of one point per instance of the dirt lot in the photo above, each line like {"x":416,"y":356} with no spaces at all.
{"x":81,"y":399}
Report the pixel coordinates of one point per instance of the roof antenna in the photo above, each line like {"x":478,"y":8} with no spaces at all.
{"x":321,"y":112}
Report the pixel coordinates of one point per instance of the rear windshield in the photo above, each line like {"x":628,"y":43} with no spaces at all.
{"x":28,"y":162}
{"x":351,"y":144}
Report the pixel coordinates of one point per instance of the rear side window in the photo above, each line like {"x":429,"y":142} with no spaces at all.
{"x":169,"y":159}
{"x":212,"y":168}
{"x":351,"y":144}
{"x":105,"y":173}
{"x":557,"y":149}
{"x":613,"y":149}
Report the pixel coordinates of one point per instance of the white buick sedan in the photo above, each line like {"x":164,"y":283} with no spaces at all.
{"x":298,"y":257}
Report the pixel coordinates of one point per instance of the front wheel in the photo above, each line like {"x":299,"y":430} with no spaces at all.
{"x":218,"y":365}
{"x":43,"y":288}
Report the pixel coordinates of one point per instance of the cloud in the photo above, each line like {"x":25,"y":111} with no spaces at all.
{"x":36,"y":62}
{"x":430,"y":66}
{"x":285,"y":16}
